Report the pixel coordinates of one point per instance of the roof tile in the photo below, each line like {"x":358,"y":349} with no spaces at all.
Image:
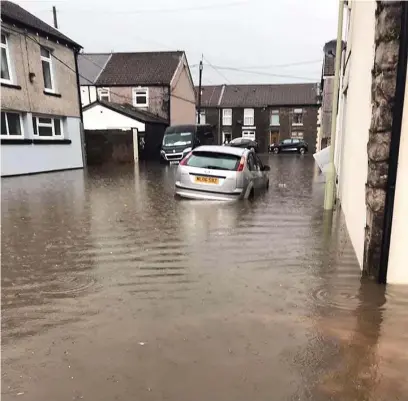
{"x":147,"y":68}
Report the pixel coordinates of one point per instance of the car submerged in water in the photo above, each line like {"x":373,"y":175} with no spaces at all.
{"x":221,"y":173}
{"x":179,"y":140}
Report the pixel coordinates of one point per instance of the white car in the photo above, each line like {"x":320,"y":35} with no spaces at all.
{"x":221,"y":173}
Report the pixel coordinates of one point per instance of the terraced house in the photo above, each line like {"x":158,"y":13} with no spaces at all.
{"x":159,"y":83}
{"x":267,"y":113}
{"x":41,"y":113}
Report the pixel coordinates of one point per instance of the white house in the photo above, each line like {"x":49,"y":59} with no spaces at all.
{"x":363,"y":140}
{"x":40,"y":115}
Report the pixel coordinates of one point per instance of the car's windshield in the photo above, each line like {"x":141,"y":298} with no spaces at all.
{"x":178,"y":139}
{"x":214,"y":161}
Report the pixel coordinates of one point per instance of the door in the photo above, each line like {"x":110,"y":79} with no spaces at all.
{"x":273,"y":137}
{"x":226,"y":137}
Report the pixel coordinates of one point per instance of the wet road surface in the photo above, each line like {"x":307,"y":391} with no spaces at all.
{"x":114,"y":290}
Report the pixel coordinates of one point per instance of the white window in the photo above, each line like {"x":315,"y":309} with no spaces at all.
{"x":104,"y":94}
{"x":227,"y":117}
{"x":5,"y":60}
{"x":202,"y":117}
{"x":249,"y":134}
{"x":297,"y":134}
{"x":11,"y":125}
{"x":46,"y":61}
{"x":47,"y":127}
{"x":141,"y":97}
{"x":249,"y":117}
{"x":297,"y":117}
{"x":275,"y":117}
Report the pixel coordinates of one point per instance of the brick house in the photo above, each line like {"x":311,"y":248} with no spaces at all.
{"x":157,"y":82}
{"x":267,"y":113}
{"x":41,"y":113}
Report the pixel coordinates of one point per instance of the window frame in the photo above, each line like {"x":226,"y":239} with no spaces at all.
{"x":36,"y":127}
{"x":297,"y":112}
{"x":8,"y":59}
{"x":134,"y":96}
{"x":250,"y":134}
{"x":297,"y":135}
{"x":21,"y":136}
{"x":49,"y":61}
{"x":227,"y":119}
{"x":107,"y":90}
{"x":274,"y":113}
{"x":250,"y":118}
{"x":202,"y":117}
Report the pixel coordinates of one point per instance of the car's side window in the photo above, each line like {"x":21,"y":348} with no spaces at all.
{"x":295,"y":140}
{"x":287,"y":141}
{"x":251,"y":162}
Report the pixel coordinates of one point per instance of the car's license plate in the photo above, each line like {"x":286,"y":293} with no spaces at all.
{"x":207,"y":180}
{"x":174,"y":162}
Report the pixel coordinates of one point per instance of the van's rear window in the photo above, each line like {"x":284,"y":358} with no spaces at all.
{"x":215,"y":161}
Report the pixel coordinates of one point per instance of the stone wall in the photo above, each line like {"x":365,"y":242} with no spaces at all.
{"x":384,"y":73}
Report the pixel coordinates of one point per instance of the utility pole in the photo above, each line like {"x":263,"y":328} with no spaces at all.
{"x":200,"y":76}
{"x":331,"y":172}
{"x":54,"y":13}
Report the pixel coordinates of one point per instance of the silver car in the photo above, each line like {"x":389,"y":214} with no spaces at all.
{"x":221,"y":173}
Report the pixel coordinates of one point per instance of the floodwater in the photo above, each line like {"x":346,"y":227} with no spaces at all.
{"x":114,"y":290}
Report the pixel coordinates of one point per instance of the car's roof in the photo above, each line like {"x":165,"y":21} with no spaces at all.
{"x":229,"y":150}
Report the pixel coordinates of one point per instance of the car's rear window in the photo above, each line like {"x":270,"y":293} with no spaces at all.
{"x":215,"y":161}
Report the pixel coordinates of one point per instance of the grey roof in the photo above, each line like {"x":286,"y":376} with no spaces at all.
{"x":130,"y":111}
{"x":13,"y":13}
{"x":210,"y":95}
{"x":90,"y":66}
{"x":145,"y":68}
{"x":262,"y":95}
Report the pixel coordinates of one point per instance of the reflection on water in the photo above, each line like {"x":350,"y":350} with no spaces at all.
{"x":246,"y":300}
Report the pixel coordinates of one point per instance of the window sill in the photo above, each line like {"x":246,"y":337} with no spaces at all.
{"x":141,"y":106}
{"x":52,"y":94}
{"x":274,"y":125}
{"x":51,"y":141}
{"x":297,"y":125}
{"x":26,"y":141}
{"x":12,"y":86}
{"x":16,"y":141}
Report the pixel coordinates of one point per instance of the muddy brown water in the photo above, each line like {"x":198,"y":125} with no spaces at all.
{"x":114,"y":290}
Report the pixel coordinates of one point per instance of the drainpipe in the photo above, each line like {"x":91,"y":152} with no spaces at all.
{"x":76,"y":51}
{"x":331,"y":171}
{"x":394,"y":145}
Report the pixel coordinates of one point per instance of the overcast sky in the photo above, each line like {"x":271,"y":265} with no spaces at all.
{"x":278,"y":41}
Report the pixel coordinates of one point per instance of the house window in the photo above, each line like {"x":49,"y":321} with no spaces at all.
{"x":11,"y":125}
{"x":48,"y":76}
{"x":297,"y":117}
{"x":227,"y":117}
{"x":202,"y":117}
{"x":47,"y":127}
{"x":249,"y":134}
{"x":141,"y":97}
{"x":249,"y":117}
{"x":5,"y":60}
{"x":104,"y":94}
{"x":275,"y":117}
{"x":297,"y":134}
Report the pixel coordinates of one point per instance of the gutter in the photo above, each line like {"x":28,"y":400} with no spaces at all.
{"x":76,"y":52}
{"x":394,"y":145}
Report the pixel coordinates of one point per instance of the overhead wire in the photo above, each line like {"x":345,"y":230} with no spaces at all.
{"x":77,"y":72}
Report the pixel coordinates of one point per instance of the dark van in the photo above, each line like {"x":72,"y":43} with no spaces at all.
{"x":178,"y":140}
